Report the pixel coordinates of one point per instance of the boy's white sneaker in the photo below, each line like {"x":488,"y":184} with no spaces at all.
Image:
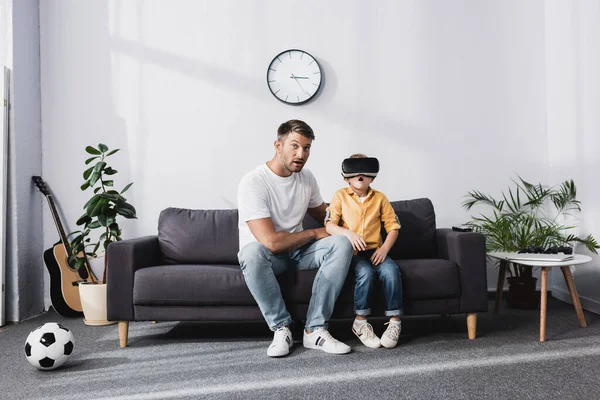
{"x":366,"y":335}
{"x":390,"y":337}
{"x":321,"y":339}
{"x":281,"y":344}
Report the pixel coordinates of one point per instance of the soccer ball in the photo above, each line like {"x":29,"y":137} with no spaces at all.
{"x":49,"y":346}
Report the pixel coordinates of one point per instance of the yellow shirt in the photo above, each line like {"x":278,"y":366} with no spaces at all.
{"x":364,"y":218}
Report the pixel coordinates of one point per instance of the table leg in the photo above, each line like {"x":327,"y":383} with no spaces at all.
{"x":500,"y":284}
{"x":574,"y":295}
{"x":543,"y":303}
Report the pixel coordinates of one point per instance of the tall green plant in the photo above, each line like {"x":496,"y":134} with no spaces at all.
{"x":529,"y":215}
{"x":100,"y":211}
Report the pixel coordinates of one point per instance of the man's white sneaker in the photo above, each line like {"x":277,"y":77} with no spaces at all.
{"x":281,"y":344}
{"x":390,"y":337}
{"x":366,"y":335}
{"x":321,"y":339}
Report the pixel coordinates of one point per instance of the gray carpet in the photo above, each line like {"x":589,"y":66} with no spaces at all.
{"x":434,"y":360}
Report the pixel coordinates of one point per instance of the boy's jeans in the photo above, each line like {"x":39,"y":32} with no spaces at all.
{"x":331,"y":256}
{"x":389,"y":275}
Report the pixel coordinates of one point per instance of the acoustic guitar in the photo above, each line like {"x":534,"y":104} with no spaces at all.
{"x":64,"y":279}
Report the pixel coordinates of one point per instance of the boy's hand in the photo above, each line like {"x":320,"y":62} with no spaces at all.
{"x":358,"y":243}
{"x":378,"y":256}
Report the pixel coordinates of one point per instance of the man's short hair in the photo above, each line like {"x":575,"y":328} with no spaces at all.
{"x":295,"y":125}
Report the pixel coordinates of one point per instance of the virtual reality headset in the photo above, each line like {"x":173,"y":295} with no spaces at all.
{"x":360,"y":166}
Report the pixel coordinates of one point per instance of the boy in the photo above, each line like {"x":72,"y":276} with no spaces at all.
{"x":357,"y":212}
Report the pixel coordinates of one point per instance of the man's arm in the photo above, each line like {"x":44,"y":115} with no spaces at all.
{"x":279,"y":242}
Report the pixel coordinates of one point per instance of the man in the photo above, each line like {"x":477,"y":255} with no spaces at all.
{"x":272,"y":202}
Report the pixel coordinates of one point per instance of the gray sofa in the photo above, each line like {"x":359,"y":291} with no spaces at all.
{"x":190,"y":272}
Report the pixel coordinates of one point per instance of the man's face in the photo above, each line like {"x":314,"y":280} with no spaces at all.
{"x":293,"y":151}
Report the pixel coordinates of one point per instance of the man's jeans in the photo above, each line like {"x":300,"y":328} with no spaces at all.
{"x":389,"y":275}
{"x":331,"y":256}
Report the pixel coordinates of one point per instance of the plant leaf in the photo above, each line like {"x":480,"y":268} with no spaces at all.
{"x":126,"y":187}
{"x":92,"y":150}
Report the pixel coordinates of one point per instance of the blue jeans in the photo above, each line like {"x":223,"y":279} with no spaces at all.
{"x":389,"y":275}
{"x":331,"y":256}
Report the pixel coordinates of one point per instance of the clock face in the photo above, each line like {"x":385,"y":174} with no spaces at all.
{"x":294,"y":77}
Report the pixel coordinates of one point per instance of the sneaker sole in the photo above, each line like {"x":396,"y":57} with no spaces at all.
{"x":278,"y":355}
{"x":333,"y":351}
{"x":390,"y":345}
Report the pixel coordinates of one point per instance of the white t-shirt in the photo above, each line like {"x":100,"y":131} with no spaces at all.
{"x":264,"y":194}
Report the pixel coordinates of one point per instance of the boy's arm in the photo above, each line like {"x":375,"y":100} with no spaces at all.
{"x":390,"y":240}
{"x":388,"y":216}
{"x":392,"y":225}
{"x":332,"y":224}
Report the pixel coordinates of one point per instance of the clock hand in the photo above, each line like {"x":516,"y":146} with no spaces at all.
{"x":298,"y":77}
{"x":301,"y":88}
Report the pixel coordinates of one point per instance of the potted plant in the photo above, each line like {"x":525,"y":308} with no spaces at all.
{"x":529,"y":217}
{"x":99,"y":228}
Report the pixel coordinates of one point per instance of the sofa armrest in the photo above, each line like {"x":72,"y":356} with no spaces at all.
{"x":467,"y":249}
{"x":124,"y":258}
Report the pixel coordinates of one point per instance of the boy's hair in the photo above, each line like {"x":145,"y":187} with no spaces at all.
{"x":295,"y":125}
{"x":358,"y":155}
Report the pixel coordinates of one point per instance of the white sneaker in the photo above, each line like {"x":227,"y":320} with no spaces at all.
{"x":281,"y":344}
{"x":390,"y":337}
{"x":321,"y":339}
{"x":367,"y":336}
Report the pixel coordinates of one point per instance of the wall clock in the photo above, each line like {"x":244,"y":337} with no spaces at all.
{"x":294,"y":77}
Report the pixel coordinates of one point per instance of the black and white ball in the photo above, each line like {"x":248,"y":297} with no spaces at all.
{"x":49,"y":346}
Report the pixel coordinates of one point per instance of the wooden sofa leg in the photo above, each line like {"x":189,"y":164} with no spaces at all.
{"x":472,"y":325}
{"x":123,"y":331}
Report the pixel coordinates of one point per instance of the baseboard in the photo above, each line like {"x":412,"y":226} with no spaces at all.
{"x":586,"y":303}
{"x":562,"y":295}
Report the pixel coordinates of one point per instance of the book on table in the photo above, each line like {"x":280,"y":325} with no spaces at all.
{"x":539,"y":257}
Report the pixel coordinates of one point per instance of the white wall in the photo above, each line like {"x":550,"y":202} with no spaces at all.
{"x":24,"y":265}
{"x":6,"y":33}
{"x":573,"y":100}
{"x":450,"y":96}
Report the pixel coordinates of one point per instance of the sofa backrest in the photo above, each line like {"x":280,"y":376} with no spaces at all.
{"x":198,"y":236}
{"x":417,"y":237}
{"x":212,"y":237}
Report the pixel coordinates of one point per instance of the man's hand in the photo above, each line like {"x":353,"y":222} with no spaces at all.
{"x":320,"y":233}
{"x":358,"y":243}
{"x":378,"y":256}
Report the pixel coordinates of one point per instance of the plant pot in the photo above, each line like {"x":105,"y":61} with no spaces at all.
{"x":93,"y":302}
{"x":521,"y":293}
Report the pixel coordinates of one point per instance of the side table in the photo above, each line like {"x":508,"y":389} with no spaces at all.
{"x":545,"y":266}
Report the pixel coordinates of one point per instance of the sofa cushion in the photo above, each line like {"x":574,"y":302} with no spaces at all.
{"x":421,"y":279}
{"x":191,"y":285}
{"x":195,"y":285}
{"x":429,"y":279}
{"x":417,"y":237}
{"x":198,"y":236}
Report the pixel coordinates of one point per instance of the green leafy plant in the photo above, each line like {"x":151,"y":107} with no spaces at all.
{"x":528,"y":216}
{"x":100,"y":211}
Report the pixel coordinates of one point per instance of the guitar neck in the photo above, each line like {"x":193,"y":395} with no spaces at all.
{"x":58,"y":223}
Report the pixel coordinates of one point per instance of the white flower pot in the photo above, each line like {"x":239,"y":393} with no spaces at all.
{"x":93,"y":302}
